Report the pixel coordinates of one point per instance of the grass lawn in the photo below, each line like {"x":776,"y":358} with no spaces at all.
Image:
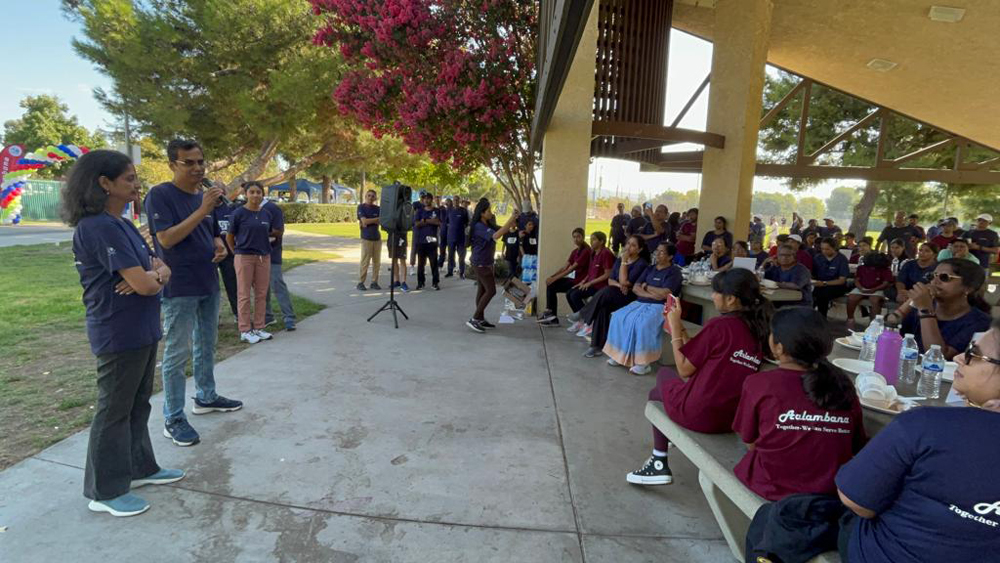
{"x":47,"y":373}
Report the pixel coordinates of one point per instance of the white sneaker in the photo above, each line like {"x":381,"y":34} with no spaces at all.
{"x":640,"y":370}
{"x":613,"y":363}
{"x":585,"y":332}
{"x":575,"y":327}
{"x":263,"y":334}
{"x":249,"y":337}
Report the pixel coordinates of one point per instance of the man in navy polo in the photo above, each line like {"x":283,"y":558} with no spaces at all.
{"x":277,"y":284}
{"x":443,"y":231}
{"x":187,"y":238}
{"x":427,"y":220}
{"x":458,"y":220}
{"x":371,"y":240}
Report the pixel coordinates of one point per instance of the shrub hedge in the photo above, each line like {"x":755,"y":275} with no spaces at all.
{"x":319,"y":212}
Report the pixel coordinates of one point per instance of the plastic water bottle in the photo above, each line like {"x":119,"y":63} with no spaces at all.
{"x":929,"y":385}
{"x":887,"y":355}
{"x":870,"y":340}
{"x":909,"y":355}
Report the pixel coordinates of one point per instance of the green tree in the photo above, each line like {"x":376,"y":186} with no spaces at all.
{"x":241,"y":76}
{"x":841,"y":203}
{"x":46,"y":121}
{"x":811,"y":208}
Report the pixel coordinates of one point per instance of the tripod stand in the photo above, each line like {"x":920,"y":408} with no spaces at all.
{"x":391,"y":303}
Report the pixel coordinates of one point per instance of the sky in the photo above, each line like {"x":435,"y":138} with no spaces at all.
{"x":51,"y":66}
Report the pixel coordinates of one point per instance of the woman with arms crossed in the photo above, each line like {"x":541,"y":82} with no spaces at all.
{"x":121,"y":281}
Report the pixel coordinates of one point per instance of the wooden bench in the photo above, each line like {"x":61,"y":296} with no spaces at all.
{"x":667,"y":349}
{"x":715,"y":455}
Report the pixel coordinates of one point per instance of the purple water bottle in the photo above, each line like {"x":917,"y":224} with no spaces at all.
{"x":887,"y":354}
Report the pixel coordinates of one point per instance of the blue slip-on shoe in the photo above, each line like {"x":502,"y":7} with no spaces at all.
{"x":220,"y":404}
{"x":124,"y":505}
{"x":181,"y":433}
{"x":161,"y":477}
{"x":404,"y":288}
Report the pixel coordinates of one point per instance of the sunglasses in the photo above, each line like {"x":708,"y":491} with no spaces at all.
{"x":973,"y":352}
{"x":943,"y":277}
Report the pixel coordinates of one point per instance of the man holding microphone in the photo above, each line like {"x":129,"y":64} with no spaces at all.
{"x":188,"y":240}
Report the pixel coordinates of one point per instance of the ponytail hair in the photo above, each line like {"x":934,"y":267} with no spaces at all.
{"x":755,"y":310}
{"x":804,"y":335}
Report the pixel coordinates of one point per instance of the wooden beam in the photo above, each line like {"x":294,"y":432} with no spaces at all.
{"x":987,"y":164}
{"x":773,"y":112}
{"x":884,"y":174}
{"x":840,"y":137}
{"x":634,"y":146}
{"x":691,"y":101}
{"x":803,"y":122}
{"x":883,"y":129}
{"x":656,"y":133}
{"x":679,"y":156}
{"x":921,"y":152}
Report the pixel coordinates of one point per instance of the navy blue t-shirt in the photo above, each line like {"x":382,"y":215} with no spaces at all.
{"x":369,"y":232}
{"x":251,"y":230}
{"x":723,"y":260}
{"x":931,"y":476}
{"x":443,"y":229}
{"x":830,"y":269}
{"x":103,"y":245}
{"x":635,"y":269}
{"x":956,"y":333}
{"x":522,"y":221}
{"x":223,"y":215}
{"x":423,"y":214}
{"x":710,"y":237}
{"x":910,"y":273}
{"x":192,"y":272}
{"x":670,"y":278}
{"x":483,"y":245}
{"x":277,"y":224}
{"x":458,"y":219}
{"x":799,"y":275}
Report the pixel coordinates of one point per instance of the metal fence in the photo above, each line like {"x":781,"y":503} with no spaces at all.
{"x":40,"y":201}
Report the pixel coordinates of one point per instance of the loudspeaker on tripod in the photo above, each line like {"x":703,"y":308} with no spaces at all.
{"x":396,"y":208}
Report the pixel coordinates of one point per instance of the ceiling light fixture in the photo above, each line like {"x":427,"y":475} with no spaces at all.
{"x":946,"y":14}
{"x":881,"y":65}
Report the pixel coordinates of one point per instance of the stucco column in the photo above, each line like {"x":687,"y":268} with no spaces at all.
{"x":566,"y":161}
{"x":741,"y":36}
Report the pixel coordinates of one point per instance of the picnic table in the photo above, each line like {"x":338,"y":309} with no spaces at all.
{"x":702,"y":295}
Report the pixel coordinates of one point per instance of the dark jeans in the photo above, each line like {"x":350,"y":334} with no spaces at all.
{"x":515,"y":267}
{"x":847,"y":524}
{"x":577,"y":297}
{"x":822,"y":296}
{"x":427,"y":251}
{"x":443,"y":249}
{"x":228,"y":271}
{"x":598,"y":311}
{"x":486,"y":288}
{"x":119,"y":449}
{"x":452,"y":248}
{"x":561,"y":285}
{"x":617,"y":244}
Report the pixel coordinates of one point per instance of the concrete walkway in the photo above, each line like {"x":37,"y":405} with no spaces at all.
{"x":17,"y":235}
{"x":363,"y":443}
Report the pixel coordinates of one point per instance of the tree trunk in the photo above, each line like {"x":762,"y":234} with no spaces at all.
{"x":863,"y":210}
{"x":325,"y":194}
{"x":292,"y":189}
{"x":257,"y":166}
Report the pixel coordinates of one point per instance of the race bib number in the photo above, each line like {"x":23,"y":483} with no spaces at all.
{"x":511,"y":240}
{"x":532,"y":241}
{"x":432,"y":239}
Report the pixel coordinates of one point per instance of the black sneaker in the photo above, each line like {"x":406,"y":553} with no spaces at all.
{"x":474,"y":325}
{"x":437,"y":287}
{"x":375,"y":286}
{"x":655,"y":472}
{"x":220,"y":404}
{"x":592,"y":353}
{"x":486,"y":324}
{"x":449,"y":275}
{"x":546,"y":316}
{"x":420,"y":286}
{"x":181,"y":433}
{"x":551,"y":321}
{"x":361,"y":287}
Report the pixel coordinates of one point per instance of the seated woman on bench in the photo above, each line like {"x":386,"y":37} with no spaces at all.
{"x":702,"y":395}
{"x":802,"y":421}
{"x":634,"y":336}
{"x":925,"y":487}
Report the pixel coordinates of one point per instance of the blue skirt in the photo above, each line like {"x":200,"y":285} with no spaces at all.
{"x":634,"y":336}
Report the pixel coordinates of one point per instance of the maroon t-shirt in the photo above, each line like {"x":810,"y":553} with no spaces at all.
{"x":686,"y":247}
{"x":724,"y":353}
{"x":942,"y":241}
{"x":868,"y":277}
{"x":600,"y":262}
{"x":580,"y":257}
{"x":798,"y":447}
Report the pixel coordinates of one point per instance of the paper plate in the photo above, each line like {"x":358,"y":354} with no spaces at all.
{"x":846,"y":343}
{"x":853,"y":366}
{"x":702,"y":284}
{"x":898,"y":407}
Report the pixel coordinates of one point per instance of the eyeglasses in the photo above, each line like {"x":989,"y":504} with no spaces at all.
{"x":189,"y":163}
{"x":971,"y":352}
{"x":944,"y":277}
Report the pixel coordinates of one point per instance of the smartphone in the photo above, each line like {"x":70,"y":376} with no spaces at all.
{"x":668,"y":306}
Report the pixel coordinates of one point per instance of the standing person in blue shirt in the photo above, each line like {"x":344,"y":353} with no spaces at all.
{"x":188,"y":240}
{"x":248,"y":236}
{"x":121,"y":281}
{"x":278,"y":285}
{"x":443,"y":232}
{"x":925,"y":488}
{"x":223,"y":214}
{"x":371,"y":240}
{"x":458,"y":220}
{"x":485,"y":233}
{"x":830,"y":270}
{"x":427,"y":220}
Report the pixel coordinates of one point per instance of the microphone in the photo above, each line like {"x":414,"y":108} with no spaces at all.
{"x":208,"y":184}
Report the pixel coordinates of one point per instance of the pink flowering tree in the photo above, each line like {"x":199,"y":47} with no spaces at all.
{"x":454,"y":79}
